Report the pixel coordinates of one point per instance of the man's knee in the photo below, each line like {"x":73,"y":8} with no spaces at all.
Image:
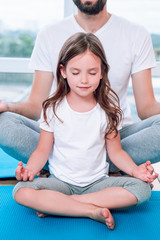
{"x":6,"y":121}
{"x":156,"y":119}
{"x":7,"y":129}
{"x":4,"y":127}
{"x":3,"y":118}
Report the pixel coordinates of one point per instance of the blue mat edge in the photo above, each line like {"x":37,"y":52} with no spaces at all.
{"x":87,"y":224}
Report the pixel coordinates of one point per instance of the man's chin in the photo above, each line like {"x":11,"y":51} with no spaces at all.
{"x":89,"y":8}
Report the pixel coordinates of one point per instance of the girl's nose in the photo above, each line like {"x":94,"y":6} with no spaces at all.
{"x":84,"y":79}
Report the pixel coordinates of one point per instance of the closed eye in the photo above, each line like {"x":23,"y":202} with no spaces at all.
{"x":75,"y":73}
{"x":92,"y":73}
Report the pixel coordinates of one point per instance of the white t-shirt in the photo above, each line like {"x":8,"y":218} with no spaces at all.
{"x":79,"y":151}
{"x":128,"y":49}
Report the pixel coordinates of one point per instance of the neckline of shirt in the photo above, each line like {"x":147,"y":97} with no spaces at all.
{"x":106,"y":25}
{"x":80,"y":113}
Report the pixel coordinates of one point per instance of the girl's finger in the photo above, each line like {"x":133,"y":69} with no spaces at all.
{"x":20,"y":163}
{"x":25,"y":175}
{"x":148,"y":163}
{"x":31,"y":176}
{"x":18,"y":173}
{"x":150,"y":169}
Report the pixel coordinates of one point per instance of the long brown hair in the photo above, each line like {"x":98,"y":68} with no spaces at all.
{"x":104,"y":95}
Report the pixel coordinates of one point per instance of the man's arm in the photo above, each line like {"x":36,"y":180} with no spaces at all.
{"x":146,"y":103}
{"x":31,"y":108}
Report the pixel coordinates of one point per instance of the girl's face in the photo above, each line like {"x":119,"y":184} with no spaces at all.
{"x":83,"y":74}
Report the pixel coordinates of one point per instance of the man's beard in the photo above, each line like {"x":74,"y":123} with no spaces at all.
{"x":89,"y":8}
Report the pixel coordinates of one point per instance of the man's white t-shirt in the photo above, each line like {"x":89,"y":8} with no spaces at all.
{"x":128,"y":49}
{"x":78,"y":156}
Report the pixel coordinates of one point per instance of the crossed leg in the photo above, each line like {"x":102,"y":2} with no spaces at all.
{"x":92,"y":205}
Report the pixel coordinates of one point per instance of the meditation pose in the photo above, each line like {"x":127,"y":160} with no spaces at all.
{"x":79,"y":124}
{"x":130,"y":54}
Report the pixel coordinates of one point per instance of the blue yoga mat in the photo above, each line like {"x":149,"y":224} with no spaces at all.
{"x":137,"y":223}
{"x":7,"y":165}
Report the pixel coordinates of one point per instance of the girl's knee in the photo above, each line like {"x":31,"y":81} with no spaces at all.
{"x":144,"y":192}
{"x":19,"y":195}
{"x":22,"y":195}
{"x":141,"y":190}
{"x":155,"y":121}
{"x":147,"y":191}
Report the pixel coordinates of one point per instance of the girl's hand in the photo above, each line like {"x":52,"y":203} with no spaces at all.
{"x":145,"y":172}
{"x":23,"y":174}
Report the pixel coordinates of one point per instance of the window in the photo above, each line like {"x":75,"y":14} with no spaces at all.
{"x":20,"y":20}
{"x":146,"y":13}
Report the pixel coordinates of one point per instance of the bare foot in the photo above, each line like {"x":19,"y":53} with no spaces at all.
{"x":104,"y":215}
{"x":115,"y":174}
{"x":41,"y":215}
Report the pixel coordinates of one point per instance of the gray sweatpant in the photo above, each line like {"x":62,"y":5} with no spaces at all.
{"x":140,"y":189}
{"x":19,"y":137}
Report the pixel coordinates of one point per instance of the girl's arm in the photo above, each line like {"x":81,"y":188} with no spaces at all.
{"x":125,"y":163}
{"x":41,"y":154}
{"x":38,"y":158}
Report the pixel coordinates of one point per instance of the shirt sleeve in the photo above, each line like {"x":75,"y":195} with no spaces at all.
{"x":49,"y":125}
{"x":40,"y":58}
{"x":142,"y":51}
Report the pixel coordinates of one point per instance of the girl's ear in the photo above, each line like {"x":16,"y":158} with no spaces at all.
{"x":102,"y":73}
{"x":63,"y":71}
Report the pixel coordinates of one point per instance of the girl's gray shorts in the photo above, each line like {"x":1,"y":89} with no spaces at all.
{"x":140,"y":189}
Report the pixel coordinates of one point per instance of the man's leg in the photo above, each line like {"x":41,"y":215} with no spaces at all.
{"x":18,"y":135}
{"x":141,"y":141}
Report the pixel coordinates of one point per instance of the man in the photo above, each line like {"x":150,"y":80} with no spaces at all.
{"x":129,"y":52}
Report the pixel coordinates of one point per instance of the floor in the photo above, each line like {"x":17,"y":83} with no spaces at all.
{"x":7,"y":182}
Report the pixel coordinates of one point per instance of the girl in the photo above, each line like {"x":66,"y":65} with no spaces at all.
{"x":79,"y":124}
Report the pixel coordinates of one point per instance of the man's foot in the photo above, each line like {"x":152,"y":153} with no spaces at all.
{"x":115,"y":174}
{"x":44,"y":173}
{"x":41,"y":215}
{"x":104,"y":215}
